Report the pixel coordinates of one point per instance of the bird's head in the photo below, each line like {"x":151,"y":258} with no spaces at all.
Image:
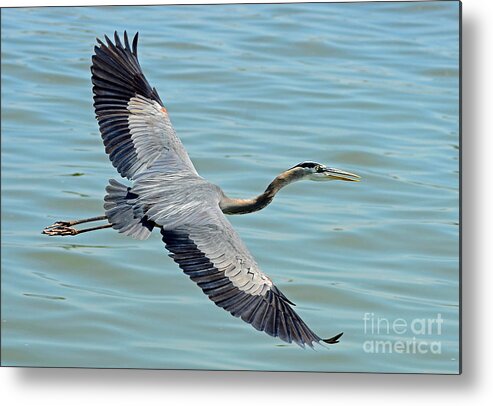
{"x":318,"y":172}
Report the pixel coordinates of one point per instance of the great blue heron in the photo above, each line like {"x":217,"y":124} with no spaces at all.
{"x":168,"y":193}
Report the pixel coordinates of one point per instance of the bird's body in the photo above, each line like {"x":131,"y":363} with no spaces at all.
{"x":168,"y":193}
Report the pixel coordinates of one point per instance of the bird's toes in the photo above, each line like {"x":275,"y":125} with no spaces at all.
{"x":61,"y":224}
{"x":59,"y":230}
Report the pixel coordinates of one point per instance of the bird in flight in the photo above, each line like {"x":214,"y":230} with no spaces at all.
{"x":168,"y":194}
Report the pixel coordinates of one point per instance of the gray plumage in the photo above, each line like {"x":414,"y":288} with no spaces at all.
{"x":168,"y":193}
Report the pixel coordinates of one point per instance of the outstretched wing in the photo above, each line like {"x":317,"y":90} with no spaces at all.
{"x":215,"y":258}
{"x":133,"y":121}
{"x":207,"y":248}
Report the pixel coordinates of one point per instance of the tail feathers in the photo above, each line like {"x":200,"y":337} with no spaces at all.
{"x":118,"y":205}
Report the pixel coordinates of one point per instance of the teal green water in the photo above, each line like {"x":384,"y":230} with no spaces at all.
{"x":252,"y":90}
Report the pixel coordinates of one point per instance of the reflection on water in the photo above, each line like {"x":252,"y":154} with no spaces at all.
{"x":252,"y":90}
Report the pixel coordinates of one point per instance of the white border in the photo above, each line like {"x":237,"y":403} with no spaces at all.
{"x":126,"y":387}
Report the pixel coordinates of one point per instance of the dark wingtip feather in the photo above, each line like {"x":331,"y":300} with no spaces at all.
{"x":117,"y":40}
{"x":134,"y":43}
{"x":125,"y":39}
{"x":333,"y":340}
{"x":108,"y":41}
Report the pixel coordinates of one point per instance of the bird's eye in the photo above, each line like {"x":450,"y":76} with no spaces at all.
{"x":319,"y":168}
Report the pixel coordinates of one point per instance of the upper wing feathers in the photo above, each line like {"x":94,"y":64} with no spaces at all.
{"x":133,"y":122}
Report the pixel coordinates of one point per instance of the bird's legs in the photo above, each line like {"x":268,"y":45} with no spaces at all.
{"x":62,"y":228}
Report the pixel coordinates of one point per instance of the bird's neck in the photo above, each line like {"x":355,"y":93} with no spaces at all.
{"x":245,"y":206}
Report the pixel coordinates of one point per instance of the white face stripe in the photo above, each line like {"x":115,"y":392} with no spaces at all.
{"x":307,"y":165}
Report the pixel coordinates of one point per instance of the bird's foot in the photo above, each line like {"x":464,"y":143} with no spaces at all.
{"x":60,"y":228}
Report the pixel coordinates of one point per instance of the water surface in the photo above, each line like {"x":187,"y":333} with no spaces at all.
{"x":252,"y":90}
